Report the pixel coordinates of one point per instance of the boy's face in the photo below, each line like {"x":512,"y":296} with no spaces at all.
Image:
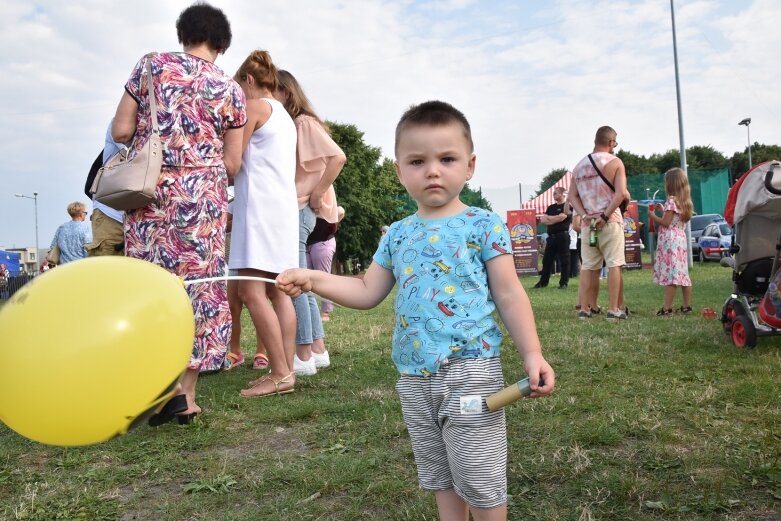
{"x":434,"y":163}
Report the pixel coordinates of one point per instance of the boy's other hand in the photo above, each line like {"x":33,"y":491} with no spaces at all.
{"x":539,"y":369}
{"x":294,"y":282}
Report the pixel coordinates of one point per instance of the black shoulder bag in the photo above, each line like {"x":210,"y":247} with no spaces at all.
{"x":625,"y":202}
{"x":93,"y":171}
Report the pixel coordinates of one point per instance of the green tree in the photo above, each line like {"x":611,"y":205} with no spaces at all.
{"x":705,"y":158}
{"x":738,"y":163}
{"x":474,"y":198}
{"x":697,"y":158}
{"x":368,"y":190}
{"x":635,"y":164}
{"x":663,"y":162}
{"x":550,"y":179}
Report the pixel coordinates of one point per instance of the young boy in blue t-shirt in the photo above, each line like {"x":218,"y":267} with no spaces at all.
{"x":453,"y":265}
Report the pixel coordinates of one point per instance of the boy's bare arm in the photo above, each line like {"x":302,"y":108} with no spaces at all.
{"x":351,"y":292}
{"x":516,"y":312}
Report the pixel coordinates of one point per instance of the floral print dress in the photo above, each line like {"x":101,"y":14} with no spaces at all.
{"x":671,"y":266}
{"x":184,"y":230}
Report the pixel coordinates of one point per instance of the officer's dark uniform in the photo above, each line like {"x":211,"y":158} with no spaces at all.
{"x":557,"y":246}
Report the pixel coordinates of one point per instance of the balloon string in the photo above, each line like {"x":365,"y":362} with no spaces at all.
{"x":227,"y":278}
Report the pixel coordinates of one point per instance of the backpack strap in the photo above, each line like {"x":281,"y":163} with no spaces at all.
{"x":625,"y":203}
{"x":608,"y":183}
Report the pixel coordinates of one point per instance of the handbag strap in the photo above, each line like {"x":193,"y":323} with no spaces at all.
{"x":150,"y":93}
{"x":600,"y":173}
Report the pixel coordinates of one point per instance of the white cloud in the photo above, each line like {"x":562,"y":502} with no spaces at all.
{"x":535,"y":79}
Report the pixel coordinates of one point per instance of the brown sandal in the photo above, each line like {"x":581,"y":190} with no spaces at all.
{"x":277,"y":383}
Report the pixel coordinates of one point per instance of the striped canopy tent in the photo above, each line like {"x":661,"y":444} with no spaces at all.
{"x":540,"y":203}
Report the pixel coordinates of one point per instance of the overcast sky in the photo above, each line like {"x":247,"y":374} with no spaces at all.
{"x":534,"y":78}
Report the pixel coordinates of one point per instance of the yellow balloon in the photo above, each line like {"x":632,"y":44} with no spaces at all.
{"x":88,"y":347}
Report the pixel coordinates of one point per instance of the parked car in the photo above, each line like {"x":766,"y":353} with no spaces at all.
{"x":715,"y":241}
{"x":698,"y":224}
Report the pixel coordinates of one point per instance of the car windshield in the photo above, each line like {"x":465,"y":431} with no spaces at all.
{"x":699,"y":222}
{"x":725,"y":229}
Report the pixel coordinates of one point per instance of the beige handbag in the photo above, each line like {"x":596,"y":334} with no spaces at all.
{"x":126,"y":184}
{"x":53,"y":257}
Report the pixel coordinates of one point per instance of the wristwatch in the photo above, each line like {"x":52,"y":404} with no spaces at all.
{"x":603,"y":217}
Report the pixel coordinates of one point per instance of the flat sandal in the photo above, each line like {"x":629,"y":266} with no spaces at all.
{"x":276,"y":383}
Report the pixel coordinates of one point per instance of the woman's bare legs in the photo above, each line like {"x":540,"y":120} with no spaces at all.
{"x":318,"y":346}
{"x":283,"y":306}
{"x":255,"y":296}
{"x":236,"y":305}
{"x":189,"y":380}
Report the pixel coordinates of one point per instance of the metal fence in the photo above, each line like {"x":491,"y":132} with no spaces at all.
{"x":11,"y":285}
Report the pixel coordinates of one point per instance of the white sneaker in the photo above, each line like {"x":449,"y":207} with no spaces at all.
{"x":322,"y":360}
{"x":304,"y":368}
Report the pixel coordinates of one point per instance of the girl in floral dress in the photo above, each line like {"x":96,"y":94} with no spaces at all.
{"x":671,"y":266}
{"x":200,"y":113}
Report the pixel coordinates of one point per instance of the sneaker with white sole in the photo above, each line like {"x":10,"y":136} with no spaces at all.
{"x":322,"y":360}
{"x":304,"y":368}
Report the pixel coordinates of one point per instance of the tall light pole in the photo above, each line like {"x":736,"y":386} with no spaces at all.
{"x":747,"y":122}
{"x":680,"y":127}
{"x":37,"y":250}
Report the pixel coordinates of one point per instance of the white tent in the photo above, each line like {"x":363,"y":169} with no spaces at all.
{"x":540,"y":203}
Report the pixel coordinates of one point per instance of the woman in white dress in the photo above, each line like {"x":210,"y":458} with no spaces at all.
{"x":265,"y":220}
{"x":319,"y":162}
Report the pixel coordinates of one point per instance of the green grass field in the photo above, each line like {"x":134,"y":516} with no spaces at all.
{"x":652,"y":419}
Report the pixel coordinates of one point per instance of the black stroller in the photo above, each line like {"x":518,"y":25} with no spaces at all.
{"x":754,"y":209}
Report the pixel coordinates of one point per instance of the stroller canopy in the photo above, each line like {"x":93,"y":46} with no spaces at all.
{"x":757,"y":192}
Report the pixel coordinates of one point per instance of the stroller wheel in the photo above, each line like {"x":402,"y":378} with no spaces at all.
{"x":744,"y":334}
{"x":732,"y":309}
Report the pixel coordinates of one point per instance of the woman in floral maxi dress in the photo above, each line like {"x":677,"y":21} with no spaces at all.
{"x":200,"y":113}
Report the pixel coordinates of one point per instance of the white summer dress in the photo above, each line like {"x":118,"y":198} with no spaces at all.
{"x":265,"y":209}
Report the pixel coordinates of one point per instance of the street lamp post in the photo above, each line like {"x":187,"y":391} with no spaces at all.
{"x":37,"y":250}
{"x":747,"y":122}
{"x":680,"y":127}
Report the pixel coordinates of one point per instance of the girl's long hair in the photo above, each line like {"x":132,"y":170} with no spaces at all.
{"x":676,"y":183}
{"x":297,"y":103}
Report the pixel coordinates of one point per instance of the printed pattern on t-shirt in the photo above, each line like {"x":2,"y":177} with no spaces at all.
{"x":443,"y":305}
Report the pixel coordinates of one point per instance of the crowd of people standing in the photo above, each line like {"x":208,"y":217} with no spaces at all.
{"x":587,"y":225}
{"x":257,"y":130}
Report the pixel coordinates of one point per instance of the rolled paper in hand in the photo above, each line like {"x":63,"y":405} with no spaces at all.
{"x":509,"y":394}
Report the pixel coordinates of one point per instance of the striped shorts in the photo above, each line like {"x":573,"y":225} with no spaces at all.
{"x":457,"y":443}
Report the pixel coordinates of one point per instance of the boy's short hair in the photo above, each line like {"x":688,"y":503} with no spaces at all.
{"x":434,"y":114}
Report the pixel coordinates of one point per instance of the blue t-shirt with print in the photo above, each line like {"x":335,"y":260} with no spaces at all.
{"x":443,"y":305}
